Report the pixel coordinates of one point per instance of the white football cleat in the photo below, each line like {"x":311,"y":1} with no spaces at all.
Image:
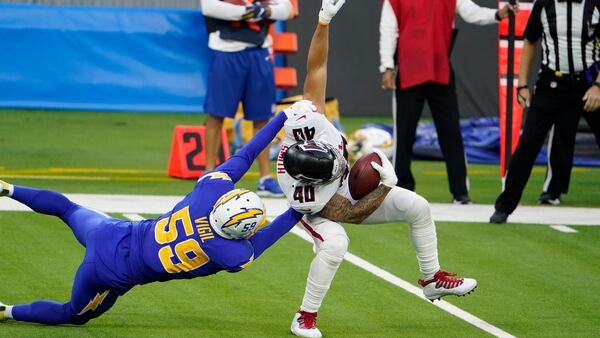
{"x":442,"y":285}
{"x":304,"y":324}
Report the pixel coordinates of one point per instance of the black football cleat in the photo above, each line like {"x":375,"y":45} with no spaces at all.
{"x":499,"y":217}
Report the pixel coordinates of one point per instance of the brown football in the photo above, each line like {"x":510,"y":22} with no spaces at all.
{"x":363,"y":178}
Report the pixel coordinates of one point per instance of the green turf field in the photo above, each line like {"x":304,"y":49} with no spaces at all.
{"x":533,"y":281}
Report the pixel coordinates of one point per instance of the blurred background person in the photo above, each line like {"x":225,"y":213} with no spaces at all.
{"x":420,"y":34}
{"x":558,"y":169}
{"x":567,"y":88}
{"x":241,"y":71}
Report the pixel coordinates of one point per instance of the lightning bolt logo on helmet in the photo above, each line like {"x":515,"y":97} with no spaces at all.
{"x":238,"y":214}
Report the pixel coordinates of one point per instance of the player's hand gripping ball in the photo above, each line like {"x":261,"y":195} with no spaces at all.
{"x":368,"y":172}
{"x":363,"y":178}
{"x":385,"y":169}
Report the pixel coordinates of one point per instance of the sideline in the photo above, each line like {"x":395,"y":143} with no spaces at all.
{"x":476,"y":213}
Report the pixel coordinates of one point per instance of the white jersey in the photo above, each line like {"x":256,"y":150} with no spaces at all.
{"x":304,"y":197}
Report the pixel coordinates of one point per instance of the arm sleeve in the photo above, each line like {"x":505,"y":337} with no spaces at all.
{"x":534,"y":28}
{"x":281,"y":10}
{"x":471,"y":13}
{"x":222,"y":10}
{"x":238,"y":164}
{"x":267,"y":236}
{"x":388,"y":36}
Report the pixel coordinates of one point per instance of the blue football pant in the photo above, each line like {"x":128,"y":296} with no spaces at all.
{"x":89,"y":298}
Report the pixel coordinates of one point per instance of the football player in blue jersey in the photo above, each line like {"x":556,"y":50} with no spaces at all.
{"x":214,"y":228}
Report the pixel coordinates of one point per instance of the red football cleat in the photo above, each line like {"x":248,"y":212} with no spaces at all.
{"x":304,"y":324}
{"x":442,"y":284}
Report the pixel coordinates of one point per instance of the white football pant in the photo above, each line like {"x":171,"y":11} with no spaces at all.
{"x":331,"y":241}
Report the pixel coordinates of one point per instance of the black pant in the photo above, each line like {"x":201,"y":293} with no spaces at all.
{"x":561,"y":107}
{"x":558,"y":171}
{"x":444,"y":109}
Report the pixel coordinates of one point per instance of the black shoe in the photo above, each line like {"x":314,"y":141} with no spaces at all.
{"x":499,"y":217}
{"x":549,"y":198}
{"x":462,"y":199}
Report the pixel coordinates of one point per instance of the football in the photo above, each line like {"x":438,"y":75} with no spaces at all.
{"x":363,"y":178}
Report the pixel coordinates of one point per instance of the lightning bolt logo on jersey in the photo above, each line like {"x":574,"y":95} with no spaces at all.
{"x":94,"y":303}
{"x":307,"y":198}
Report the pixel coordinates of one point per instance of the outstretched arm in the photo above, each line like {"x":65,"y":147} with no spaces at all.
{"x":238,"y":164}
{"x":315,"y":83}
{"x":270,"y":234}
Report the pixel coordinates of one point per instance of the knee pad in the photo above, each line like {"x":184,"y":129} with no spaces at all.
{"x":334,"y":248}
{"x":418,"y":211}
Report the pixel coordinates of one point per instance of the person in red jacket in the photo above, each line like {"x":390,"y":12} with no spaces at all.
{"x":420,"y":34}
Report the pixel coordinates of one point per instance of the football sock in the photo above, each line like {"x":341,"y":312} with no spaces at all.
{"x":8,"y":312}
{"x":423,"y":237}
{"x":321,"y":273}
{"x":6,"y":189}
{"x":5,"y":312}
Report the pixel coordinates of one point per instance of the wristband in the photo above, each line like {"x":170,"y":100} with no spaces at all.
{"x":597,"y":84}
{"x":497,"y":16}
{"x":525,"y":86}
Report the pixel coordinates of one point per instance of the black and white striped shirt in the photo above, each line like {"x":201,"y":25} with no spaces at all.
{"x":570,"y":32}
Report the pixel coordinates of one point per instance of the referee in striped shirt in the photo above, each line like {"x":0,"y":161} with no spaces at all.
{"x":568,"y":87}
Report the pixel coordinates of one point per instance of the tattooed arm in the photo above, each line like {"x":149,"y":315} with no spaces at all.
{"x":339,"y":209}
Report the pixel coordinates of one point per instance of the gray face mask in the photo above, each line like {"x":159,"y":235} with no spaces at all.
{"x":340,"y":165}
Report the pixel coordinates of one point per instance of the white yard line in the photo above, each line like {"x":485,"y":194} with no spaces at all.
{"x":134,"y":217}
{"x":480,"y":213}
{"x":563,"y":228}
{"x":477,"y":213}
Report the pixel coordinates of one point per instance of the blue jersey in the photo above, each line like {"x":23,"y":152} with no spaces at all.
{"x":181,"y":243}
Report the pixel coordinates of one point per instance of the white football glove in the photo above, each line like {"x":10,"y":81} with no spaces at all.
{"x":386,"y":170}
{"x":299,"y":108}
{"x":329,"y":9}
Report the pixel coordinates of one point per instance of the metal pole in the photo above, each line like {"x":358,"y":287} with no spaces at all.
{"x":509,"y":90}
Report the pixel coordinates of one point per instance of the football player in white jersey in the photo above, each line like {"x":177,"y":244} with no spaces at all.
{"x":312,"y":172}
